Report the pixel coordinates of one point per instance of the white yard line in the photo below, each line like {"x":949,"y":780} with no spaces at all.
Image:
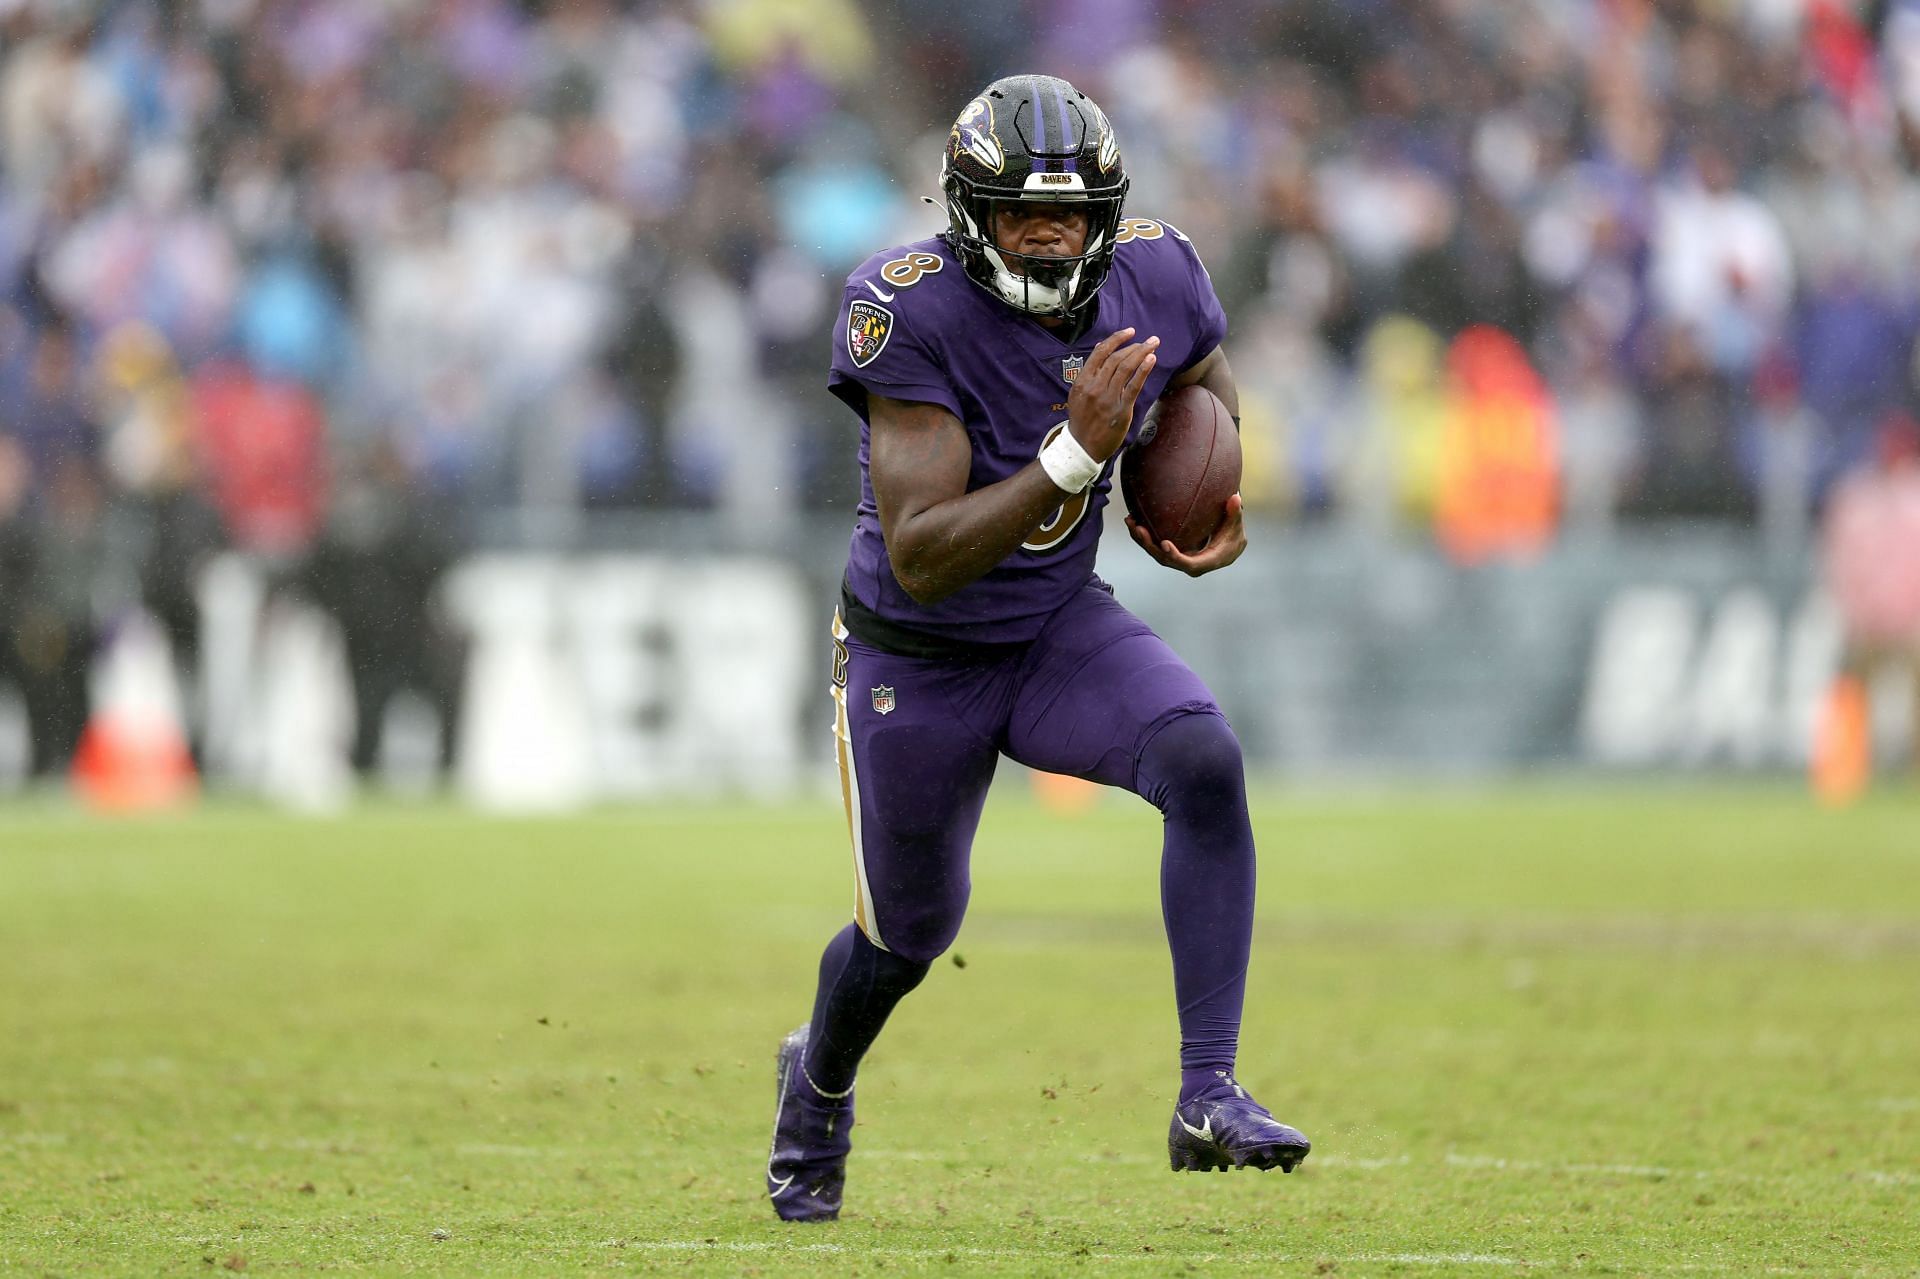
{"x":1358,"y":1163}
{"x":1604,"y":1170}
{"x":1325,"y":1159}
{"x":1658,"y":1172}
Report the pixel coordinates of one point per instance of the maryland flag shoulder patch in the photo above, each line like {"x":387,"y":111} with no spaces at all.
{"x":868,"y":328}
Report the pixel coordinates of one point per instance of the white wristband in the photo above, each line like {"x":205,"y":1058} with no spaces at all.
{"x":1067,"y":464}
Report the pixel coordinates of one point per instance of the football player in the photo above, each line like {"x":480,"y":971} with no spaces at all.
{"x":998,"y":369}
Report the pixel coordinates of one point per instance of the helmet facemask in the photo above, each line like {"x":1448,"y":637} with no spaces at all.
{"x":1039,"y":284}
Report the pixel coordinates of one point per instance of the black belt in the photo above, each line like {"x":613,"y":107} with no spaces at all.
{"x":903,"y":641}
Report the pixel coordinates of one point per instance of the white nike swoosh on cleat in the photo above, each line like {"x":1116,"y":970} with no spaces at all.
{"x":1204,"y":1132}
{"x":884,"y":297}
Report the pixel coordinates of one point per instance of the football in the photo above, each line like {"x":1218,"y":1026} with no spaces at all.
{"x":1177,"y":476}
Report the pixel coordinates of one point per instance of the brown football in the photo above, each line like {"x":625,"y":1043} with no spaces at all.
{"x":1177,"y":476}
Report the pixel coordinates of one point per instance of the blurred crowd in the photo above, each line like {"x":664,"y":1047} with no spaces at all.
{"x":331,"y":281}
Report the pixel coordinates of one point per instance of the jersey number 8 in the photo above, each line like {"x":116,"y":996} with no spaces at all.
{"x":902,"y":272}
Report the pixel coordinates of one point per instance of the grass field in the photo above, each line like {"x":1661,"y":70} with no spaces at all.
{"x":1545,"y":1032}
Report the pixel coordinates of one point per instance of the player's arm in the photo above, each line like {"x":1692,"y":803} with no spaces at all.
{"x":1213,"y":372}
{"x":1229,"y":541}
{"x":939,"y":535}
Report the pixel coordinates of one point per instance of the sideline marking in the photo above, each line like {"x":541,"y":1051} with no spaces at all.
{"x":1159,"y":1259}
{"x":1450,"y":1159}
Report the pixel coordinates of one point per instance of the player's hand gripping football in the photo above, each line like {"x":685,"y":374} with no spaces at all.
{"x":1100,"y":406}
{"x":1222,"y":549}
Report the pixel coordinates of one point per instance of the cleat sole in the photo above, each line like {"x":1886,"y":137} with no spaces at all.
{"x":1261,"y":1158}
{"x":1285,"y":1158}
{"x":785,"y":1215}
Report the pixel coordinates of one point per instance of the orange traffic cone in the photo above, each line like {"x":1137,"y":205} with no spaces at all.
{"x":1842,"y":762}
{"x":133,"y":753}
{"x":119,"y":769}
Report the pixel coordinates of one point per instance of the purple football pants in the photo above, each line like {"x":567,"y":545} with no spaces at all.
{"x":1098,"y":695}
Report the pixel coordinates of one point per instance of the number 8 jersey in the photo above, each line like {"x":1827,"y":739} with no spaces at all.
{"x":912,"y":326}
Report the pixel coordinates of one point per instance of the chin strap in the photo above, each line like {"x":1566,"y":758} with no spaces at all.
{"x":1022,"y":291}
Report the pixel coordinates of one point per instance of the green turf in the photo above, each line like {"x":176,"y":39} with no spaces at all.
{"x":1608,"y":1032}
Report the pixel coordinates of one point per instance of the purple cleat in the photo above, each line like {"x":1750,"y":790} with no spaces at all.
{"x":1224,"y":1128}
{"x":807,"y":1163}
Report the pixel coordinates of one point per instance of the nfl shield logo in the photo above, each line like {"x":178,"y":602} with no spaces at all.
{"x":1071,"y":366}
{"x":883,"y":699}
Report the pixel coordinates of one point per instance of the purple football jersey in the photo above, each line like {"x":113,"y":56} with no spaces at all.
{"x":912,"y":326}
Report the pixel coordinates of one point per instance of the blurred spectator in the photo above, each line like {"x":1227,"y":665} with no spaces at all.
{"x":1600,"y":434}
{"x":1871,"y":557}
{"x":148,"y":419}
{"x":262,"y":446}
{"x":1871,"y":548}
{"x":376,"y":569}
{"x":45,"y":404}
{"x":48,"y":570}
{"x":1851,"y":347}
{"x":1497,"y":486}
{"x":1469,"y":271}
{"x":1689,"y":465}
{"x":1291,"y":405}
{"x":288,"y":322}
{"x":17,"y":551}
{"x":1780,"y":455}
{"x":1391,"y":457}
{"x":827,"y":40}
{"x":1720,"y":270}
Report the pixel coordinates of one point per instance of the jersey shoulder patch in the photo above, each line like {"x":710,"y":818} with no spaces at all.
{"x":894,"y":323}
{"x":896,"y":287}
{"x":869,"y":325}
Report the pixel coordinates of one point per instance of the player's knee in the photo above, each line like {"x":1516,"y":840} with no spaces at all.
{"x":1193,"y":758}
{"x":922,"y":941}
{"x":921,"y":927}
{"x":918,"y":925}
